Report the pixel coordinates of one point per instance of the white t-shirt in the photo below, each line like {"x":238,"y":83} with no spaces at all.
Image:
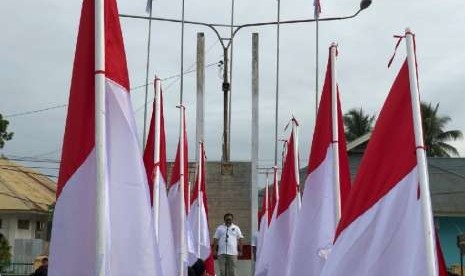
{"x":227,"y":239}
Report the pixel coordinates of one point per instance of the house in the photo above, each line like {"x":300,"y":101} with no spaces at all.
{"x":447,"y":188}
{"x":25,"y":198}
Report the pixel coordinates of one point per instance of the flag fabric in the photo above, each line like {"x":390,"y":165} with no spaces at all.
{"x":148,"y":8}
{"x":273,"y":257}
{"x":316,"y":8}
{"x":175,"y":197}
{"x":127,"y":208}
{"x":381,"y":230}
{"x":274,"y":196}
{"x":441,"y":261}
{"x":316,"y":224}
{"x":198,"y":217}
{"x":156,"y":174}
{"x":263,"y":220}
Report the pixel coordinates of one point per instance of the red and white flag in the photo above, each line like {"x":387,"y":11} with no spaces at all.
{"x":274,"y":255}
{"x":381,"y":231}
{"x":272,"y":210}
{"x":327,"y":184}
{"x":177,"y":198}
{"x":263,"y":220}
{"x":155,"y":166}
{"x":125,"y":228}
{"x":198,"y":217}
{"x":274,"y":197}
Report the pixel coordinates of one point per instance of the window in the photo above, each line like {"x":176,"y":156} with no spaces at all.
{"x":40,"y":226}
{"x":23,"y":224}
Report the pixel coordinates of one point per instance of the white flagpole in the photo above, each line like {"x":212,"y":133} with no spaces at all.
{"x":425,"y":196}
{"x":335,"y":134}
{"x":181,"y":191}
{"x":276,"y":189}
{"x":199,"y":195}
{"x":267,"y":203}
{"x":277,"y":85}
{"x":317,"y":44}
{"x":149,"y":7}
{"x":189,"y":187}
{"x":296,"y":157}
{"x":101,"y":199}
{"x":183,"y":252}
{"x":156,"y":155}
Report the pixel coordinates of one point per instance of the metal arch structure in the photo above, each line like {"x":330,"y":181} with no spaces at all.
{"x":226,"y":43}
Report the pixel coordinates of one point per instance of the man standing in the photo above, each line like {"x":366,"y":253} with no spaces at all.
{"x":227,"y":245}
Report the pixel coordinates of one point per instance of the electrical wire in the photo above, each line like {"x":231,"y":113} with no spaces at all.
{"x":177,"y":78}
{"x":27,"y":172}
{"x":29,"y":167}
{"x":24,"y":199}
{"x":29,"y":159}
{"x":35,"y":111}
{"x":132,"y":89}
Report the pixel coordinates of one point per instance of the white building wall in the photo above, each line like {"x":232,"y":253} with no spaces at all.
{"x":22,"y":238}
{"x":4,"y":229}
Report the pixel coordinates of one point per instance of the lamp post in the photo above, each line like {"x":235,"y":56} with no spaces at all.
{"x":226,"y":43}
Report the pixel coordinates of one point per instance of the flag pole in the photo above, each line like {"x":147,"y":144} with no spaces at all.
{"x":156,"y":155}
{"x":199,"y":194}
{"x":150,"y":3}
{"x":189,"y":187}
{"x":276,"y":189}
{"x":181,"y":191}
{"x":277,"y":85}
{"x":267,"y":203}
{"x":101,"y":197}
{"x":183,"y":253}
{"x":231,"y":60}
{"x":335,"y":134}
{"x":295,"y":132}
{"x":425,"y":197}
{"x":181,"y":86}
{"x":317,"y":36}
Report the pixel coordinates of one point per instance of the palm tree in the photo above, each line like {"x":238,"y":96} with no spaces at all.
{"x":357,"y":123}
{"x":435,"y":134}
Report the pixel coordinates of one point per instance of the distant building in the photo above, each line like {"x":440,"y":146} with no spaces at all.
{"x":447,"y":188}
{"x":25,"y":198}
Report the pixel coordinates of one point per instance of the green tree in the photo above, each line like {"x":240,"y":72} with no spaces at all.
{"x":4,"y":134}
{"x":5,"y":254}
{"x":435,"y":134}
{"x":357,"y":123}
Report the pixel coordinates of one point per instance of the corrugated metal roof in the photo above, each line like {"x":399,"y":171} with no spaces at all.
{"x":24,"y":189}
{"x":447,"y":183}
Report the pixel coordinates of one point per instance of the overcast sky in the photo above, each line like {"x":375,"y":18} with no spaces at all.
{"x":38,"y":42}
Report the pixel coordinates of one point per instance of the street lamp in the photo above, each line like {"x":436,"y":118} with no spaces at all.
{"x":365,"y":4}
{"x":226,"y":42}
